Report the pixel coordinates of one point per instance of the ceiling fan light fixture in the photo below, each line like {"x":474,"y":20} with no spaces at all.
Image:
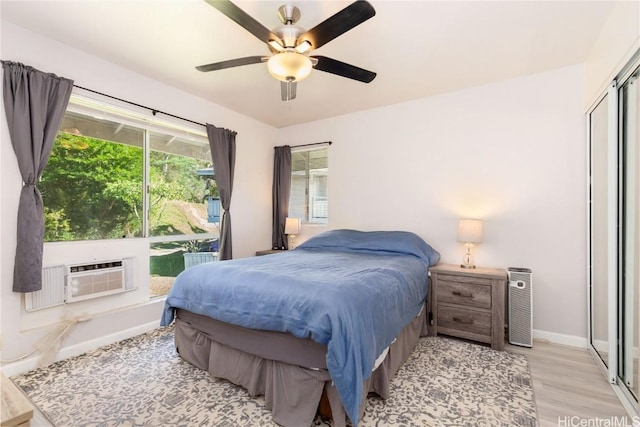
{"x":276,"y":45}
{"x":303,"y":47}
{"x":289,"y":66}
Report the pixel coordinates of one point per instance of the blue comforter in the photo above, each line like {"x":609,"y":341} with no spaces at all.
{"x":350,"y":290}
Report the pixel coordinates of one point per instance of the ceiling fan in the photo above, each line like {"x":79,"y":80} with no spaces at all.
{"x":290,"y":45}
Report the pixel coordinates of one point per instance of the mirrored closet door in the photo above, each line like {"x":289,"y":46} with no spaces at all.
{"x":614,"y":231}
{"x":629,"y":233}
{"x":599,"y":132}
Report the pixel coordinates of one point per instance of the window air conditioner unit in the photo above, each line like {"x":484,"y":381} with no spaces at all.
{"x":94,"y":280}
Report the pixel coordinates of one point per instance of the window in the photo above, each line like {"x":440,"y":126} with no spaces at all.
{"x":116,"y":173}
{"x":92,"y":184}
{"x":309,"y":199}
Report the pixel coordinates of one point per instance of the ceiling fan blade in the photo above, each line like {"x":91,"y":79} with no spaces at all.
{"x":343,"y":69}
{"x":288,"y":90}
{"x":349,"y":17}
{"x":243,"y":19}
{"x":230,"y":63}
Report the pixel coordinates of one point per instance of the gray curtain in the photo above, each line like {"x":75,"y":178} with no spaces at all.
{"x":34,"y":104}
{"x":280,"y":194}
{"x":223,"y":150}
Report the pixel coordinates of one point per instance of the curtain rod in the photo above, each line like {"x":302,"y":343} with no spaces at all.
{"x":153,"y":110}
{"x":309,"y":145}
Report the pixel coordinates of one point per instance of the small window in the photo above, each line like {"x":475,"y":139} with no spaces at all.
{"x":309,"y":199}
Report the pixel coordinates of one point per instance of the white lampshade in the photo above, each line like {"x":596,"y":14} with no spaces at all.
{"x":470,"y":231}
{"x":292,"y":225}
{"x":289,"y":66}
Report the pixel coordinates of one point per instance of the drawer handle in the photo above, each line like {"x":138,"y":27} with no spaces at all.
{"x":464,"y":320}
{"x":462,"y":294}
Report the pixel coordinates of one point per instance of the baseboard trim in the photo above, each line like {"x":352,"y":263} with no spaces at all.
{"x":556,"y":338}
{"x":31,"y":363}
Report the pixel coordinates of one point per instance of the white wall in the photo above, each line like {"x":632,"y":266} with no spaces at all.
{"x":250,"y":206}
{"x":510,"y":153}
{"x":616,"y":44}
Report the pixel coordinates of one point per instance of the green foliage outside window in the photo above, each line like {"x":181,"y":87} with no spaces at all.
{"x":93,"y":189}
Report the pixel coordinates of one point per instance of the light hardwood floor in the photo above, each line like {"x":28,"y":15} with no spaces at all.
{"x":566,"y":381}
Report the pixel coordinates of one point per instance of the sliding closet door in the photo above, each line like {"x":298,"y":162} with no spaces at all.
{"x":614,"y":231}
{"x":629,"y":238}
{"x":599,"y":247}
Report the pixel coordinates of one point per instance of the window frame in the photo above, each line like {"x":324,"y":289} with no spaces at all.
{"x":102,"y":107}
{"x":309,"y":173}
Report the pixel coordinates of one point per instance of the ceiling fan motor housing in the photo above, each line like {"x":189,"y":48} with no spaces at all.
{"x":289,"y":34}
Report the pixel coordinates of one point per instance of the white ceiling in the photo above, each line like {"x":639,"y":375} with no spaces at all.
{"x":418,"y":48}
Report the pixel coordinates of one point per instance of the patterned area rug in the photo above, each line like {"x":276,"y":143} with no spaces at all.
{"x":143,"y":381}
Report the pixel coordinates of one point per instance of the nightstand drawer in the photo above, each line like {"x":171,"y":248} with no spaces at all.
{"x":468,"y":293}
{"x":465,"y":320}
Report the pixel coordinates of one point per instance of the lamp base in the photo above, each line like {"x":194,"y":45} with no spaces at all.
{"x":467,"y":259}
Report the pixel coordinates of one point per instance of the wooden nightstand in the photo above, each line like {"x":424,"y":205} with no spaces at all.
{"x":269,"y":251}
{"x":469,"y":303}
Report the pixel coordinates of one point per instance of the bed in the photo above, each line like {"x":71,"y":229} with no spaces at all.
{"x":331,"y":320}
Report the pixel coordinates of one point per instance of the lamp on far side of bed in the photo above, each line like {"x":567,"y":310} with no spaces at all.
{"x":291,"y":228}
{"x":469,"y":232}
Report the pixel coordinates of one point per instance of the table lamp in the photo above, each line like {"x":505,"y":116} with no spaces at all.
{"x":469,"y":232}
{"x":291,"y":228}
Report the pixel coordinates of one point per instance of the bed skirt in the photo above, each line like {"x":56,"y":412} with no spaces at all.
{"x":292,"y":382}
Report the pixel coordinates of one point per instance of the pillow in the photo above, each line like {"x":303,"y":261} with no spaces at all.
{"x":401,"y":242}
